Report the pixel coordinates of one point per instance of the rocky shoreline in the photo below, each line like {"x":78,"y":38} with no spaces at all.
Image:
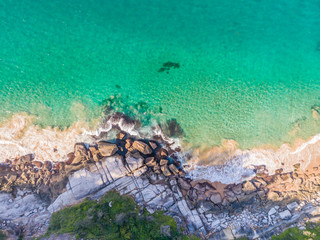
{"x":267,"y":204}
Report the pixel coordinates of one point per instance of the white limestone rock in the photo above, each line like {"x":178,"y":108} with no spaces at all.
{"x":83,"y":183}
{"x":292,"y":206}
{"x":272,"y":211}
{"x":134,"y":163}
{"x":285,"y":215}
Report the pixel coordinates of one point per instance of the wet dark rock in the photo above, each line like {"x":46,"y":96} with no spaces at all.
{"x":172,"y":128}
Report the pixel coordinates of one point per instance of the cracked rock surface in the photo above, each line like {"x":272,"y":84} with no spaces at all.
{"x":31,"y":191}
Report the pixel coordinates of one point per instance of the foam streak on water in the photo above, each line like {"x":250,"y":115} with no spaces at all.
{"x":19,"y":136}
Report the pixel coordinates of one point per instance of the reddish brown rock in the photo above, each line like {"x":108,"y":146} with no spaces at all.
{"x":153,"y":144}
{"x":273,"y":196}
{"x":47,"y":165}
{"x":151,"y":162}
{"x":70,"y":157}
{"x":164,"y":162}
{"x":128,"y":145}
{"x":164,"y":153}
{"x":165,"y":170}
{"x":184,"y":184}
{"x":121,"y":135}
{"x":59,"y":166}
{"x":26,"y":158}
{"x":248,"y":187}
{"x":142,"y":147}
{"x":95,"y":153}
{"x":80,"y":150}
{"x":182,"y":173}
{"x":107,"y":149}
{"x":37,"y":164}
{"x":156,"y":168}
{"x":174,"y":169}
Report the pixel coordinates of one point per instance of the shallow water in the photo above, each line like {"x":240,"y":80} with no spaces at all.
{"x":248,"y":72}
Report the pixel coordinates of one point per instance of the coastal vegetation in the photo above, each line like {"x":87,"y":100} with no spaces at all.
{"x":312,"y":231}
{"x":2,"y":235}
{"x":114,"y":217}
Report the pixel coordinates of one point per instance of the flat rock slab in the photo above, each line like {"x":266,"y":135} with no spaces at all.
{"x":285,"y":215}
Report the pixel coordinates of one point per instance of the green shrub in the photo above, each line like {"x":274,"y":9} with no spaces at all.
{"x":312,"y":231}
{"x":2,"y":236}
{"x":97,"y":220}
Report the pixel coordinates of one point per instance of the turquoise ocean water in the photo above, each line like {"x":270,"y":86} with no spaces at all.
{"x":248,"y":70}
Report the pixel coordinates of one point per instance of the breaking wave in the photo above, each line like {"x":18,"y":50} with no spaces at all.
{"x":227,"y":163}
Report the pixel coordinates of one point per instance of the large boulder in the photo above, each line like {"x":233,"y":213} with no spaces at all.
{"x":184,"y":184}
{"x":107,"y":149}
{"x":153,"y":144}
{"x":164,"y":162}
{"x":142,"y":147}
{"x":95,"y":153}
{"x":248,"y":187}
{"x":128,"y":144}
{"x":151,"y":162}
{"x":47,"y":165}
{"x":174,"y":169}
{"x":26,"y":158}
{"x":37,"y":164}
{"x":216,"y":198}
{"x":80,"y":150}
{"x":165,"y":170}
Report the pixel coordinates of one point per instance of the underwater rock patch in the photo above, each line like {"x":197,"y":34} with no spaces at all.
{"x":167,"y":66}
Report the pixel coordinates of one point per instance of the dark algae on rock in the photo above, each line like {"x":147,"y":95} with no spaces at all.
{"x":113,"y":217}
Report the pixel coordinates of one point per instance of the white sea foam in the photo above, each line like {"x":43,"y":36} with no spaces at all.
{"x":226,"y":163}
{"x":231,"y":172}
{"x":238,"y":164}
{"x":19,"y":136}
